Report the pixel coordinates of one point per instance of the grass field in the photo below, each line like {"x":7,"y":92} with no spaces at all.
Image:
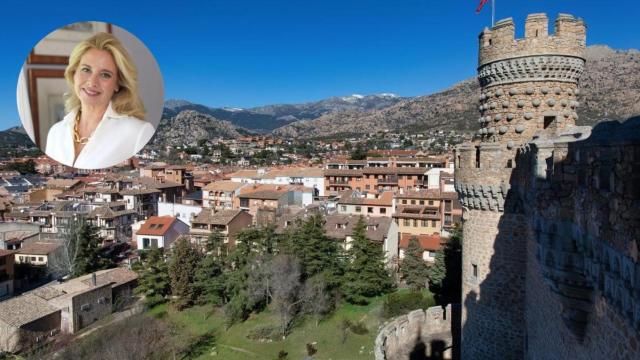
{"x":232,"y":344}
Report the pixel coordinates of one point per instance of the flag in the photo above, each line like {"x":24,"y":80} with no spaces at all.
{"x":482,"y":2}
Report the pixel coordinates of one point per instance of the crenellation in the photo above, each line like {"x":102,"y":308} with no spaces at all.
{"x":499,"y":42}
{"x":536,"y":26}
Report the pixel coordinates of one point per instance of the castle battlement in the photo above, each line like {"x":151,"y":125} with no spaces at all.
{"x":499,"y":42}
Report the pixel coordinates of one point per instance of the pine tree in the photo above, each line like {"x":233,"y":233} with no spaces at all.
{"x":210,"y":277}
{"x":414,"y":269}
{"x":153,"y":281}
{"x":437,"y":272}
{"x":317,"y":252}
{"x":182,"y":270}
{"x":87,"y":257}
{"x":366,"y":275}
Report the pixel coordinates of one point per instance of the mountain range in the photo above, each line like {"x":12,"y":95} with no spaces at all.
{"x":610,"y":90}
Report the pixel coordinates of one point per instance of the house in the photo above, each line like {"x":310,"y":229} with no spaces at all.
{"x":381,"y":230}
{"x":221,"y":194}
{"x":430,"y":244}
{"x":227,"y":222}
{"x":6,"y":273}
{"x":114,"y":221}
{"x":368,"y":204}
{"x":36,"y":316}
{"x":183,"y":212}
{"x":38,"y":253}
{"x":160,"y":232}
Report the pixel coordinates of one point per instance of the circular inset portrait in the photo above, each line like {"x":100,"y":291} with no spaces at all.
{"x":90,"y":95}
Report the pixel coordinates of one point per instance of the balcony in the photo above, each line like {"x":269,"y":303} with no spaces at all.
{"x":339,"y":182}
{"x":389,"y":180}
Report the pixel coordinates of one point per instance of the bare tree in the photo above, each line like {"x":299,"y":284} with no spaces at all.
{"x":316,"y":299}
{"x":284,"y":288}
{"x":65,"y":258}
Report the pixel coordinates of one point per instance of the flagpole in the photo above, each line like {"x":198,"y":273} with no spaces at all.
{"x":493,"y":12}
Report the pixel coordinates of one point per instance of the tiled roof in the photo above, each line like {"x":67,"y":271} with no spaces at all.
{"x":342,"y":172}
{"x":245,"y":174}
{"x":226,"y":185}
{"x":427,"y":242}
{"x":433,"y":194}
{"x":152,"y":183}
{"x":38,"y":248}
{"x":222,"y":217}
{"x":385,"y":199}
{"x":264,"y":191}
{"x":115,"y":277}
{"x":24,"y":309}
{"x":139,"y":191}
{"x":61,"y":183}
{"x":339,"y":226}
{"x":156,"y":225}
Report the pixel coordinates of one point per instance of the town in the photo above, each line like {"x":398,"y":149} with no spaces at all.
{"x":400,"y":185}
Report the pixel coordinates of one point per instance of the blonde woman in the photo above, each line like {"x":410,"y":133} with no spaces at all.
{"x":105,"y":123}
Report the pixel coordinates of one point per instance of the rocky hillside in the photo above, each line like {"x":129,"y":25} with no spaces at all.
{"x":189,"y":126}
{"x":610,"y":90}
{"x":267,"y":118}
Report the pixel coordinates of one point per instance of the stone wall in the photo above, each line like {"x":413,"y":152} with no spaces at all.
{"x":419,"y":334}
{"x":583,"y":252}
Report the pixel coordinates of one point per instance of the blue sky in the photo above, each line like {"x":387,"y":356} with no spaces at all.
{"x":250,"y":53}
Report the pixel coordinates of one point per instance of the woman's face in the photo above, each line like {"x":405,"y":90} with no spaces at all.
{"x":96,"y":78}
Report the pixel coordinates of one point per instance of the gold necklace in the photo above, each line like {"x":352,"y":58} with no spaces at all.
{"x":76,"y":133}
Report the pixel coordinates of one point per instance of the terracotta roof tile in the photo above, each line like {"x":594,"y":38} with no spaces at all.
{"x":156,"y":225}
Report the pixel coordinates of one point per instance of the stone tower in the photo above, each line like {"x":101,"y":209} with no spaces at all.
{"x":529,"y":86}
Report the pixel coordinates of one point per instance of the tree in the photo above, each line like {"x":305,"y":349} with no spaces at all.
{"x":316,"y":300}
{"x":437,"y":272}
{"x":359,"y":153}
{"x":414,"y":269}
{"x":80,"y":251}
{"x":317,"y":252}
{"x":153,"y":281}
{"x":283,"y":275}
{"x":210,"y":276}
{"x":366,"y":275}
{"x":182,"y":270}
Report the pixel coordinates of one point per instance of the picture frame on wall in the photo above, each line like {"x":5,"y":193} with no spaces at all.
{"x":55,"y":48}
{"x":46,"y":93}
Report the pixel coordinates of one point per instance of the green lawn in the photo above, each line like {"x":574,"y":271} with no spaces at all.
{"x":328,"y":336}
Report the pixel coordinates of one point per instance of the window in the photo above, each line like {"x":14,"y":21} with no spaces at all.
{"x":367,"y":187}
{"x":421,"y":202}
{"x":404,"y":201}
{"x":244,"y":202}
{"x":477,"y":156}
{"x":407,"y":222}
{"x":370,"y":210}
{"x":413,"y":202}
{"x":425,"y":223}
{"x":358,"y":209}
{"x":21,"y":258}
{"x":509,"y":163}
{"x":33,"y":258}
{"x":548,"y":121}
{"x":430,"y":202}
{"x":433,"y":223}
{"x":343,"y":208}
{"x":475,"y":270}
{"x":383,"y":210}
{"x":85,"y":307}
{"x":415,"y":223}
{"x":40,"y":258}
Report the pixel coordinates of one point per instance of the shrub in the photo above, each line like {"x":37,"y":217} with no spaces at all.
{"x":400,"y":303}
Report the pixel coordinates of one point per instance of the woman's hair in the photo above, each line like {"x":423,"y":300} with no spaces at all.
{"x":126,"y":101}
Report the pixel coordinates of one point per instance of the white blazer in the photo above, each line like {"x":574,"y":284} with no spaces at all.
{"x":116,"y":139}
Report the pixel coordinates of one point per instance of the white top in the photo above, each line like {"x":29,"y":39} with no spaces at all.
{"x":115,"y":139}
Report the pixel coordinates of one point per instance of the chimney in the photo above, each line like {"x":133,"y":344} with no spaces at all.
{"x":93,"y":279}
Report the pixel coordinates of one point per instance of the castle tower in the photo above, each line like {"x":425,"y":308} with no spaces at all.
{"x":528,"y":86}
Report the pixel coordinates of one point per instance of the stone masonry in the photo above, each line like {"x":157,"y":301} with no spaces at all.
{"x":551,"y":225}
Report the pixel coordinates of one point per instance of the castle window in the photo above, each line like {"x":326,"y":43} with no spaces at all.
{"x":548,"y":121}
{"x":458,"y":161}
{"x":475,"y":270}
{"x":536,"y":33}
{"x":490,"y":42}
{"x":477,"y":156}
{"x":509,"y":163}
